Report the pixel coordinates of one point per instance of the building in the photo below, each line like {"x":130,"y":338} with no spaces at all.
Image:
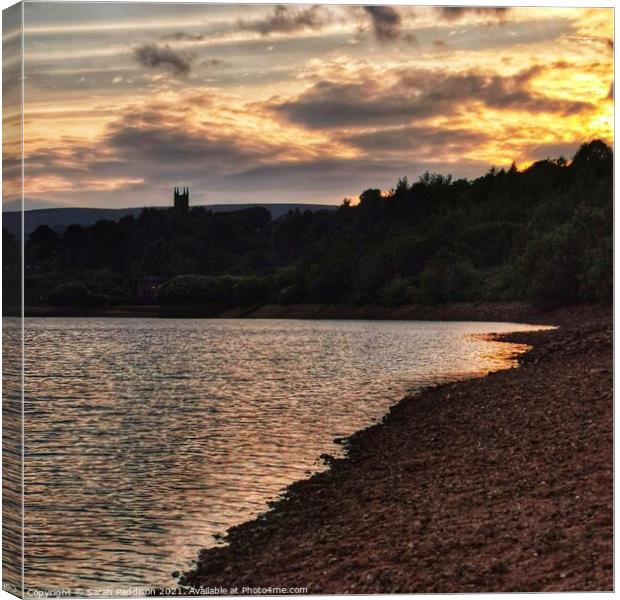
{"x":181,"y":199}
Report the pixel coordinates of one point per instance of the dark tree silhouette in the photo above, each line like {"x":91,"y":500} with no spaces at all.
{"x":542,"y":234}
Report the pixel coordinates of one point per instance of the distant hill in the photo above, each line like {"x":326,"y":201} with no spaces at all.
{"x":59,"y":218}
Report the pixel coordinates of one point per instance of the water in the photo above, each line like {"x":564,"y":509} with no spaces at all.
{"x":146,"y":437}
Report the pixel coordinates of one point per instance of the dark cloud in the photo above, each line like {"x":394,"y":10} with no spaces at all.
{"x":425,"y":141}
{"x":158,"y":141}
{"x":386,"y":22}
{"x":182,"y":36}
{"x":154,"y":56}
{"x":156,"y":147}
{"x":415,"y":95}
{"x":286,"y":19}
{"x":159,"y":146}
{"x":456,"y":13}
{"x":68,"y":160}
{"x":167,"y":146}
{"x":151,"y":145}
{"x":335,"y":178}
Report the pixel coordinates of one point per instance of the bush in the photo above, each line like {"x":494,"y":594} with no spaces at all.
{"x":498,"y":283}
{"x":203,"y":289}
{"x":434,"y":284}
{"x":183,"y":289}
{"x":448,"y":279}
{"x":550,"y":267}
{"x":75,"y":294}
{"x":396,"y":292}
{"x":331,"y":278}
{"x":197,"y":289}
{"x":597,"y":280}
{"x":221,"y":289}
{"x":285,"y":277}
{"x":250,"y":290}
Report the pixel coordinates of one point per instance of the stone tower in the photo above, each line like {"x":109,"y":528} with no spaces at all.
{"x":181,"y":199}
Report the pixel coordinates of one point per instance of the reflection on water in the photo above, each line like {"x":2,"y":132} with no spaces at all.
{"x":145,"y":437}
{"x":12,"y":455}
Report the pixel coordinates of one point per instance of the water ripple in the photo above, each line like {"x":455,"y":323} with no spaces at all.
{"x":146,"y":437}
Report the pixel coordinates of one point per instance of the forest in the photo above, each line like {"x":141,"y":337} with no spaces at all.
{"x":542,"y":234}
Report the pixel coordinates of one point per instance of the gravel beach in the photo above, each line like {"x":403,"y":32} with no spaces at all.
{"x":502,"y":483}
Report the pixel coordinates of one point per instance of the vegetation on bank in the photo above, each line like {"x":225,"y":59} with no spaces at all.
{"x":543,"y":234}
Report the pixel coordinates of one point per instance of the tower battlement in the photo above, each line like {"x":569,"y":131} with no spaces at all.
{"x":181,"y":199}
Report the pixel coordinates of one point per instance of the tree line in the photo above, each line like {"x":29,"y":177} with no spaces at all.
{"x":542,"y":234}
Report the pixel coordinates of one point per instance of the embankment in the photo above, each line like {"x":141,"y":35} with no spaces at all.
{"x":464,"y":311}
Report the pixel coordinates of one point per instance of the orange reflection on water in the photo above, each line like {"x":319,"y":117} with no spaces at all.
{"x":146,"y":437}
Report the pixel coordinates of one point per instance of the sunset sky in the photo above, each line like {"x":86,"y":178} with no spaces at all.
{"x":300,"y":103}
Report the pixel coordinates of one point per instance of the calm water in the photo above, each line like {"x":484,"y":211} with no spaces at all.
{"x":145,"y":437}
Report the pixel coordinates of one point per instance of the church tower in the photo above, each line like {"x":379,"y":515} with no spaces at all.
{"x":181,"y":199}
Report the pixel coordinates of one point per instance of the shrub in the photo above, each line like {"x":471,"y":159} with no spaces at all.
{"x":250,"y":290}
{"x":285,"y":277}
{"x":184,"y":289}
{"x":197,"y":289}
{"x":550,"y":267}
{"x":221,"y":289}
{"x":597,"y":279}
{"x":448,"y":278}
{"x":396,"y":292}
{"x":434,"y":284}
{"x":497,"y":283}
{"x":330,"y":278}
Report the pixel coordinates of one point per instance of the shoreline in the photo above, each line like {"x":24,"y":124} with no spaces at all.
{"x":517,"y":312}
{"x":499,"y":483}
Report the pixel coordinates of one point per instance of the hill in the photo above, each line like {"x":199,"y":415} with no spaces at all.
{"x":59,"y":219}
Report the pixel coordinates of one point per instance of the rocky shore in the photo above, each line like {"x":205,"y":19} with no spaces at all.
{"x":502,"y":483}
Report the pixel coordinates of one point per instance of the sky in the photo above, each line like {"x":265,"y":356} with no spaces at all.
{"x":298,"y":103}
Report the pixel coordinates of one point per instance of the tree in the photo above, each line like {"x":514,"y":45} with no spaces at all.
{"x":595,"y":157}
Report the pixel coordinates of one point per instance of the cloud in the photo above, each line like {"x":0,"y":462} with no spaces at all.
{"x":334,"y":178}
{"x":549,"y":150}
{"x":386,"y":22}
{"x":147,"y":148}
{"x":182,"y":36}
{"x":151,"y":147}
{"x":156,"y":141}
{"x":417,"y":94}
{"x":154,"y":56}
{"x":286,"y":19}
{"x":424,"y":141}
{"x":214,"y":63}
{"x":456,"y":13}
{"x":170,"y":148}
